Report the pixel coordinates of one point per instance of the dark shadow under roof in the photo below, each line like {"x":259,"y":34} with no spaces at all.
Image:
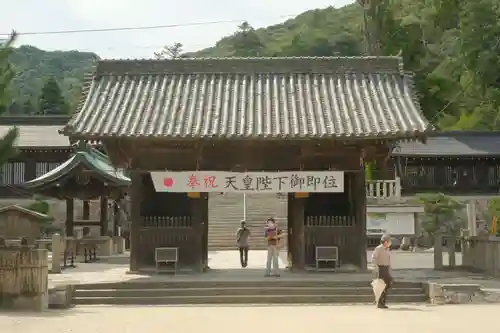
{"x":455,"y":143}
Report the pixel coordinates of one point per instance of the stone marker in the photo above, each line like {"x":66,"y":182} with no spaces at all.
{"x":57,"y":249}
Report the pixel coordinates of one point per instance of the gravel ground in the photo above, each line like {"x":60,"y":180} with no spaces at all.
{"x":249,"y":319}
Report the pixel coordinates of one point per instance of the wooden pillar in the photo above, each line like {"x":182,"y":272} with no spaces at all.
{"x":30,"y":169}
{"x":205,"y":230}
{"x":116,"y":218}
{"x":104,"y":216}
{"x":297,"y":229}
{"x":359,"y":190}
{"x":136,"y":198}
{"x":86,"y":210}
{"x":198,"y":206}
{"x":70,"y":217}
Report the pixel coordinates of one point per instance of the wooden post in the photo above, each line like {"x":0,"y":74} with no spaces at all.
{"x":70,"y":217}
{"x":136,"y":198}
{"x":360,"y":215}
{"x":198,"y":224}
{"x":116,"y":218}
{"x":297,"y":220}
{"x":104,"y":216}
{"x":86,"y":210}
{"x":205,"y":197}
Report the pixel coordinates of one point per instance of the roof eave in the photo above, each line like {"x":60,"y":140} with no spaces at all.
{"x":410,"y":135}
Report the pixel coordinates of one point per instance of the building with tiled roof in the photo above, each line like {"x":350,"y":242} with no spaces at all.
{"x":242,"y":114}
{"x":41,"y":148}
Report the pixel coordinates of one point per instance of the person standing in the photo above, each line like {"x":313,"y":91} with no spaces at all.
{"x":381,"y":258}
{"x":272,"y":234}
{"x":242,"y":236}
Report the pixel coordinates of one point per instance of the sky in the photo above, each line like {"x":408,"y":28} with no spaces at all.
{"x":30,"y":16}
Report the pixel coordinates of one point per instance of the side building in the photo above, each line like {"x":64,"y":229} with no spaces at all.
{"x":41,"y":149}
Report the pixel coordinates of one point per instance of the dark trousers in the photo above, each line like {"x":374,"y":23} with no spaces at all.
{"x":243,"y":256}
{"x":384,"y":274}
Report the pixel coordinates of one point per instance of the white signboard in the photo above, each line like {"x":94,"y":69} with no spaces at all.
{"x":271,"y":182}
{"x":390,"y":223}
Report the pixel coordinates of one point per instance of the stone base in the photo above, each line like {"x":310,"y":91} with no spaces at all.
{"x":441,"y":294}
{"x":61,"y":297}
{"x":24,"y":302}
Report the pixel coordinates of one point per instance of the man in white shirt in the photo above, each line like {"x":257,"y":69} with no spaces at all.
{"x":381,"y":258}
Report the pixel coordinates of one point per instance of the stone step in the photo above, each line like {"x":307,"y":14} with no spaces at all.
{"x":245,"y":299}
{"x":346,"y":282}
{"x":241,"y":291}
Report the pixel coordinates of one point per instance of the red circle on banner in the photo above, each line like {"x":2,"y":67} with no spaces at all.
{"x":168,"y":182}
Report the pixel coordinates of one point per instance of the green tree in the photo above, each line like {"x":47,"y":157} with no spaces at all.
{"x":52,"y":101}
{"x":247,"y":43}
{"x":442,"y":217}
{"x":170,"y":52}
{"x":7,"y":142}
{"x":441,"y":214}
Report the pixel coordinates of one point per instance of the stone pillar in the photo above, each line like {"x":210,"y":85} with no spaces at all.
{"x":119,"y":244}
{"x":106,"y":248}
{"x":70,"y":217}
{"x":438,"y":250}
{"x":471,"y":217}
{"x":57,"y":250}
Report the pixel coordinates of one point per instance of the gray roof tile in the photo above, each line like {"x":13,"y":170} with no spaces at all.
{"x":252,"y":97}
{"x":465,"y":143}
{"x":38,"y":136}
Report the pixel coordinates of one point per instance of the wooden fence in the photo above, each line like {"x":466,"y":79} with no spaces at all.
{"x":482,"y":254}
{"x":24,"y":278}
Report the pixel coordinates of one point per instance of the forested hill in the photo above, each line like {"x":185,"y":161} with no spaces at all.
{"x":452,"y":46}
{"x":35,"y":68}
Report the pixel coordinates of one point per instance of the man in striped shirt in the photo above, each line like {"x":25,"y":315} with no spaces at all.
{"x":272,"y":234}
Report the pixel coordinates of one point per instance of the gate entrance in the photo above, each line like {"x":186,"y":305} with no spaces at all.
{"x":254,"y":115}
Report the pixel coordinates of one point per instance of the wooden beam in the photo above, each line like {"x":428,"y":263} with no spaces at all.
{"x":70,"y":216}
{"x":104,"y":215}
{"x":86,"y":223}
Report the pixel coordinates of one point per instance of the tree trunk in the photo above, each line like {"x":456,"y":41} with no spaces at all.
{"x":438,"y":250}
{"x":451,"y":250}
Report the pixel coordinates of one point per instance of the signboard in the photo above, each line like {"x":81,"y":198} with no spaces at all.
{"x":376,"y":223}
{"x":240,"y":182}
{"x":390,"y":223}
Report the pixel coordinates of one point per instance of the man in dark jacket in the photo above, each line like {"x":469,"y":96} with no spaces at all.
{"x":242,"y":236}
{"x":381,"y":258}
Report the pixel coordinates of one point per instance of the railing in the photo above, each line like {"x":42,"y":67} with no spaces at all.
{"x":383,"y":189}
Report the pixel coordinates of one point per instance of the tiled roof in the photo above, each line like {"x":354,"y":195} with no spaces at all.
{"x":39,"y":136}
{"x":250,"y":97}
{"x":465,"y":143}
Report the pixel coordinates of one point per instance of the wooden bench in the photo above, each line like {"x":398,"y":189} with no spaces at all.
{"x":327,"y":254}
{"x":169,"y":256}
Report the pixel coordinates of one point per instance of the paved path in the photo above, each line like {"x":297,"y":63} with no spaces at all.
{"x":231,"y":259}
{"x":225,"y":264}
{"x":249,"y":319}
